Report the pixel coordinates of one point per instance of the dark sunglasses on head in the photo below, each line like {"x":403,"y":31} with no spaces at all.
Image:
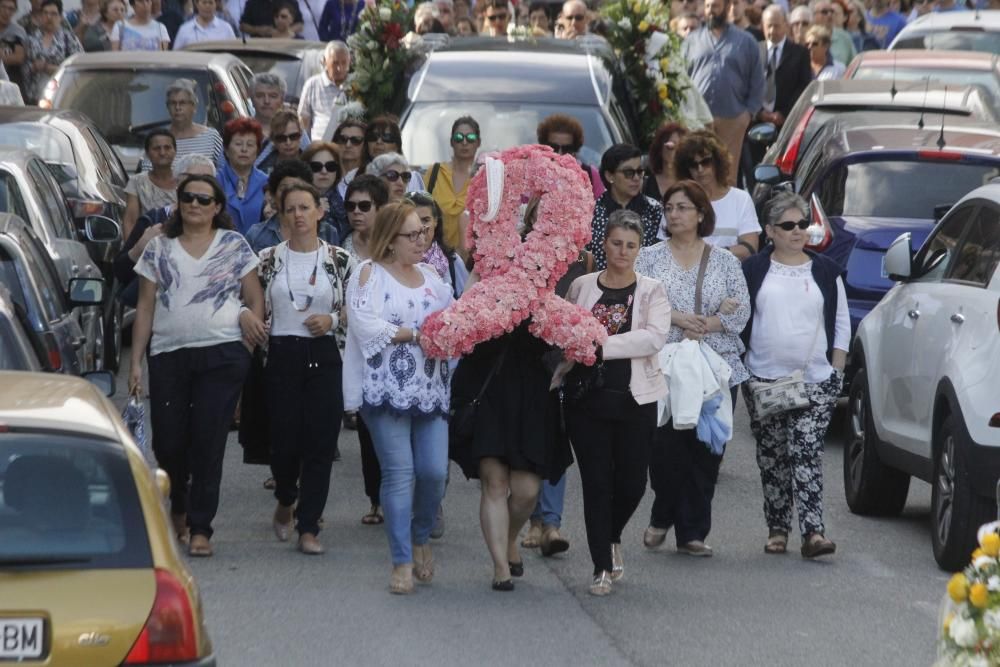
{"x":467,"y":138}
{"x":384,"y":137}
{"x":192,"y":197}
{"x":788,"y":225}
{"x":363,"y":206}
{"x":702,"y":163}
{"x":496,"y":17}
{"x":331,"y":166}
{"x":392,"y":175}
{"x":632,"y":173}
{"x":561,"y":149}
{"x":354,"y":141}
{"x":282,"y":138}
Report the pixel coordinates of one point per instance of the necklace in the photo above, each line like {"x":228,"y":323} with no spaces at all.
{"x":311,"y":282}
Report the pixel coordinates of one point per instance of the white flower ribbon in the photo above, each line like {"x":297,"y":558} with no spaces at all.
{"x":494,"y":188}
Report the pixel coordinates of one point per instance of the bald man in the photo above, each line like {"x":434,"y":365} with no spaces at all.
{"x":576,"y":19}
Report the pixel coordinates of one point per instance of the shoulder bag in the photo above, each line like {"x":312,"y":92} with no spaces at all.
{"x":784,"y":394}
{"x":462,"y":418}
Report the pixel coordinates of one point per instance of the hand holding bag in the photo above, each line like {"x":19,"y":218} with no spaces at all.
{"x":134,"y":416}
{"x":462,"y":418}
{"x":783,"y":394}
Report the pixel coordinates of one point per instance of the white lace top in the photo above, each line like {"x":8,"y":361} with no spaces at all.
{"x":394,"y":376}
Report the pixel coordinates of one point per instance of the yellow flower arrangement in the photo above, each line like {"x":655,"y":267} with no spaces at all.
{"x":970,"y":614}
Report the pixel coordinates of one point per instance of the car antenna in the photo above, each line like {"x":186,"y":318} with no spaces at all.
{"x":923,"y":105}
{"x":941,"y":142}
{"x":893,"y":91}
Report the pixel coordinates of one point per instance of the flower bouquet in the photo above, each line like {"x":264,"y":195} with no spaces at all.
{"x":970,"y":618}
{"x":650,"y":59}
{"x":380,"y":58}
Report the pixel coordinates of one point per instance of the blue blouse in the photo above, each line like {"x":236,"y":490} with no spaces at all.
{"x":245,"y":212}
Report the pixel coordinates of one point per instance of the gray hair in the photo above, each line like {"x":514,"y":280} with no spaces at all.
{"x":425,"y":8}
{"x":381,"y":164}
{"x":624,"y":219}
{"x":774,"y":9}
{"x":781,"y":203}
{"x":801,"y":13}
{"x":270,"y":79}
{"x":185,"y":162}
{"x":186,"y":86}
{"x":336,"y":46}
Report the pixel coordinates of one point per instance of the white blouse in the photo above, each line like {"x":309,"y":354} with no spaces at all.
{"x":395,"y":376}
{"x":788,"y":327}
{"x":304,"y":280}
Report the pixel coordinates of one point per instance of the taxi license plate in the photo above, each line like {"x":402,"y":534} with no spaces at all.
{"x":21,"y":638}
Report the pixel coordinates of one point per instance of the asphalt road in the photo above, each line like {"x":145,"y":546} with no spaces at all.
{"x":874,"y":603}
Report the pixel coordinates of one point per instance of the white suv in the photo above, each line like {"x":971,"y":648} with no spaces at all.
{"x":925,"y":401}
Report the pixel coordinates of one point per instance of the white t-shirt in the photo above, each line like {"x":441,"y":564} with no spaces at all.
{"x":135,"y":37}
{"x":197,"y":300}
{"x":734,"y":216}
{"x":300,"y":269}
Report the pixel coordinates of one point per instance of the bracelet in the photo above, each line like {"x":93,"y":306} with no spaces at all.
{"x":416,"y":336}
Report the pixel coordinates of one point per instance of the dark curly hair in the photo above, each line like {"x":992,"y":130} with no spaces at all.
{"x":614,"y":156}
{"x":700,"y":143}
{"x":661,"y":137}
{"x":288,"y":169}
{"x":174,"y":226}
{"x":560,"y":122}
{"x":693,"y":191}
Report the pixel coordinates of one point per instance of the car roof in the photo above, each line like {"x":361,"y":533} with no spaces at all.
{"x":988,"y":191}
{"x":149,"y":59}
{"x":287,"y":47}
{"x":987,"y":20}
{"x":541,"y":72}
{"x":56,"y":402}
{"x":15,"y":155}
{"x":909,"y":94}
{"x":982,"y":140}
{"x":13,"y":225}
{"x":911,"y":58}
{"x":37,"y":115}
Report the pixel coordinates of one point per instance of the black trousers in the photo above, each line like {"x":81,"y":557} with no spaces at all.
{"x":613,"y":455}
{"x":306,"y":405}
{"x":370,"y":468}
{"x":193,"y":393}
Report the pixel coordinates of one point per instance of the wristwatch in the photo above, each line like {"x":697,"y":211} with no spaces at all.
{"x":416,"y":336}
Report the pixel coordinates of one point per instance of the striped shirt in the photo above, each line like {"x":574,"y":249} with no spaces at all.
{"x":207,"y":143}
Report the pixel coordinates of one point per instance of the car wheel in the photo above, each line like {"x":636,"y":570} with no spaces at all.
{"x":956,"y":510}
{"x":871,"y":486}
{"x":113,"y":338}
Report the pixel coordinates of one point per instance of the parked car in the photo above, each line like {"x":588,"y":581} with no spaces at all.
{"x":17,"y":349}
{"x":294,"y":59}
{"x":509,"y":87}
{"x":952,"y":31}
{"x":33,"y":285}
{"x":29,"y":190}
{"x":91,"y":572}
{"x":867,"y":185}
{"x":924,"y":400}
{"x":955,"y":68}
{"x":125,"y":96}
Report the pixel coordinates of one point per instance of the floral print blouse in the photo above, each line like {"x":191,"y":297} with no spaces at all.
{"x":64,"y":44}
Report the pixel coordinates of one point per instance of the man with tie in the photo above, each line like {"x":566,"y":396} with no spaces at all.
{"x":786,"y":67}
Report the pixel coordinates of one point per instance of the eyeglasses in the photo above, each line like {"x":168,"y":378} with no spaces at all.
{"x":467,"y":138}
{"x":192,"y":197}
{"x":354,"y":141}
{"x":788,"y":225}
{"x":384,"y":137}
{"x":561,"y":149}
{"x":415,"y":236}
{"x":496,"y":17}
{"x":576,"y":17}
{"x":392,"y":175}
{"x":702,"y":163}
{"x":331,"y":166}
{"x":824,"y":11}
{"x":632,"y":173}
{"x":282,"y":138}
{"x":680,"y":208}
{"x":363,"y":206}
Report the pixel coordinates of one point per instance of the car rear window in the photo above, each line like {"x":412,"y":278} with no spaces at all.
{"x":953,"y":77}
{"x":954,"y":40}
{"x":288,"y":67}
{"x":68,"y":502}
{"x":126,"y":104}
{"x":918,"y":188}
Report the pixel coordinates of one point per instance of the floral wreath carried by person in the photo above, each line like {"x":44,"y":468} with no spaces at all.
{"x":517,"y":278}
{"x":970,"y":614}
{"x":380,"y":57}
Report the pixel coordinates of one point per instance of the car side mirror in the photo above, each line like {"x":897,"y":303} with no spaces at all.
{"x":103,"y":380}
{"x":86,"y":291}
{"x":767,"y":173}
{"x":763,"y":134}
{"x":899,"y":259}
{"x":101,"y":230}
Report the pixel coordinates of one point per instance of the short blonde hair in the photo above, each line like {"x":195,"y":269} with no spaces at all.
{"x":388,"y":222}
{"x":819,"y":33}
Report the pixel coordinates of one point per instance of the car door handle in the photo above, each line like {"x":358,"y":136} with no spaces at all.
{"x":913,"y":314}
{"x":957,"y":318}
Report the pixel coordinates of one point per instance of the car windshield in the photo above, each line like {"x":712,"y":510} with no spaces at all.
{"x":953,"y":40}
{"x":425,"y":134}
{"x":68,"y":502}
{"x":918,"y":187}
{"x":49,"y":143}
{"x":286,"y":66}
{"x":126,"y":104}
{"x":953,"y":77}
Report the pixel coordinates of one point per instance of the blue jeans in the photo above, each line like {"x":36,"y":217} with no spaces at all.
{"x":550,"y":503}
{"x":412,"y":451}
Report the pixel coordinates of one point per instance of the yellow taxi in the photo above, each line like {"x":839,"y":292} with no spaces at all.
{"x":90,"y":574}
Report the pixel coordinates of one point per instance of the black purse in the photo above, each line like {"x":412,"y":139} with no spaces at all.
{"x":462,"y":418}
{"x":583,"y":381}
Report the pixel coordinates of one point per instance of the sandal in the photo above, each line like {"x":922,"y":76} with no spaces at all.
{"x":374,"y":516}
{"x":816,"y":544}
{"x":401,"y":580}
{"x":269,"y":484}
{"x":423,"y":569}
{"x":654,"y":537}
{"x":199,"y":547}
{"x":777,"y":542}
{"x":503,"y":586}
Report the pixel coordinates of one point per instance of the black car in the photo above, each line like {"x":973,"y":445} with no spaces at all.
{"x":17,"y":351}
{"x":509,"y":87}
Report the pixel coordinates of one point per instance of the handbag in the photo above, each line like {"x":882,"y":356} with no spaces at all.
{"x":784,"y":394}
{"x":134,"y":416}
{"x":462,"y":419}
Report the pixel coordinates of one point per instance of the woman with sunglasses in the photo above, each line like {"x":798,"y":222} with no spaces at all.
{"x":194,"y":281}
{"x":824,"y":67}
{"x":394,"y":172}
{"x":703,"y":158}
{"x":564,"y":135}
{"x":403,"y":396}
{"x":448,"y":182}
{"x":799,"y":322}
{"x":384,"y":136}
{"x":286,"y":137}
{"x":662,"y":172}
{"x":350,"y":137}
{"x":439,"y":254}
{"x":622,"y":174}
{"x":323,"y":158}
{"x":243,"y":183}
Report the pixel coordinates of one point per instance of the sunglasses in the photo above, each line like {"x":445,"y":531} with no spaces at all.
{"x":632,"y":173}
{"x":384,"y":137}
{"x":562,"y":149}
{"x":467,"y":138}
{"x":354,"y":141}
{"x":392,"y":175}
{"x":788,"y":225}
{"x":415,"y":236}
{"x":576,"y":17}
{"x":330,"y":166}
{"x":496,"y":17}
{"x":282,"y":138}
{"x":363,"y":206}
{"x":192,"y":197}
{"x":809,"y":45}
{"x":702,"y":163}
{"x":824,"y":11}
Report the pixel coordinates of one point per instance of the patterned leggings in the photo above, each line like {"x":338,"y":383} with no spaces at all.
{"x":790,"y":456}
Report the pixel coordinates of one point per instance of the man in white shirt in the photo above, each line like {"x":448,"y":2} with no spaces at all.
{"x":204,"y":27}
{"x":325,"y":94}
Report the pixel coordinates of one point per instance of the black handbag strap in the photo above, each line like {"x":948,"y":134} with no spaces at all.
{"x":702,"y":267}
{"x":489,"y":377}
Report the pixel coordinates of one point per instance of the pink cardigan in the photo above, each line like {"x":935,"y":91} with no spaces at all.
{"x":650,"y":325}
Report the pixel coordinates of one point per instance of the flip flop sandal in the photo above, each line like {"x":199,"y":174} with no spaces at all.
{"x":777,"y":543}
{"x":374,"y":517}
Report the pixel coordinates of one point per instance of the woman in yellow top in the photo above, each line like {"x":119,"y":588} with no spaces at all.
{"x":448,"y":182}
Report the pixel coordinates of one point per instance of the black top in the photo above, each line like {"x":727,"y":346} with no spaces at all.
{"x":614,"y":311}
{"x":261,"y":13}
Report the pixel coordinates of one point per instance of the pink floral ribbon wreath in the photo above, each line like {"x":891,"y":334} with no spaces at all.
{"x":518,"y":278}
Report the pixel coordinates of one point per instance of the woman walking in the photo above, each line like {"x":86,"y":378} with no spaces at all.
{"x":611,"y":426}
{"x":47,"y":49}
{"x":683,"y":470}
{"x":155,"y":188}
{"x":403,"y":395}
{"x":448,"y":182}
{"x":192,"y":137}
{"x":193,"y":278}
{"x":243,"y":183}
{"x":799,"y":322}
